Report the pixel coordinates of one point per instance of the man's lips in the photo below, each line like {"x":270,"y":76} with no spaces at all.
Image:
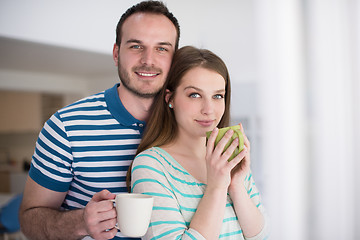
{"x":147,"y":71}
{"x":145,"y":74}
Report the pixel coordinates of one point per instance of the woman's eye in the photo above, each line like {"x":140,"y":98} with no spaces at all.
{"x":219,"y":96}
{"x":194,"y":95}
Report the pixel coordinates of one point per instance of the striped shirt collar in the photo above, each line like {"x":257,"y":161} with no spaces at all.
{"x":117,"y":109}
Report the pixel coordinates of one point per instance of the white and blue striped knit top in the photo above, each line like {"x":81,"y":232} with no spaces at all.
{"x":87,"y":147}
{"x":176,"y":197}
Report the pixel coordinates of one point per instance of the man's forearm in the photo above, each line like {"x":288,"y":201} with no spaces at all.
{"x":46,"y":223}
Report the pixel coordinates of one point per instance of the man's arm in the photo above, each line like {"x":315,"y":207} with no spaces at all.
{"x":41,"y":217}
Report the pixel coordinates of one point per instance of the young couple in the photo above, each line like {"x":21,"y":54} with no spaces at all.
{"x":85,"y":149}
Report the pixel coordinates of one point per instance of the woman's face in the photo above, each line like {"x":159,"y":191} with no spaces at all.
{"x":199,"y":101}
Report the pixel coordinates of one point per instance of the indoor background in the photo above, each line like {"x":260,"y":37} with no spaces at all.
{"x":295,"y":72}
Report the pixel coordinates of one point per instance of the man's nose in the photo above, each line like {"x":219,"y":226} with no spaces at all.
{"x":147,"y":57}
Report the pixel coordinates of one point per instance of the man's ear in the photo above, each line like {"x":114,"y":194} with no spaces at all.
{"x":116,"y":54}
{"x":168,"y":96}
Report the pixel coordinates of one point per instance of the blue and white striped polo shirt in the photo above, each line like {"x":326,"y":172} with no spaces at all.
{"x":87,"y":147}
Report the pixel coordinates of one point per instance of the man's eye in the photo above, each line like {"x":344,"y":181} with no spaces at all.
{"x":219,"y":96}
{"x":162,"y":49}
{"x":194,"y":95}
{"x":135,"y":46}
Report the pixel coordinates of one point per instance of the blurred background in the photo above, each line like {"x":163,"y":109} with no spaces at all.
{"x":295,"y":72}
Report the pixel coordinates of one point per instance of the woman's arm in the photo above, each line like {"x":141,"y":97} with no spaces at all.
{"x":247,"y":205}
{"x":209,"y":216}
{"x":246,"y":197}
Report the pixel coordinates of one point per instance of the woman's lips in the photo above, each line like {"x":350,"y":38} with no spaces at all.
{"x":205,"y":123}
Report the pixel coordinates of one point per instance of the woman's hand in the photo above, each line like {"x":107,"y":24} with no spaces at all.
{"x":218,"y":167}
{"x":240,"y":171}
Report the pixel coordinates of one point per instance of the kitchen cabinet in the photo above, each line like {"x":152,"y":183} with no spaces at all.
{"x":26,"y":111}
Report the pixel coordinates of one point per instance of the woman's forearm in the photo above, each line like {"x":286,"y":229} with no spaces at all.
{"x":250,"y":218}
{"x":209,"y":215}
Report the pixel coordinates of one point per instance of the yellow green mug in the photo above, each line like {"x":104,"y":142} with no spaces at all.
{"x":237,"y":134}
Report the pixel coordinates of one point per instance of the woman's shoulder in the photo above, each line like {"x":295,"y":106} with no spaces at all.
{"x":151,"y":155}
{"x":153,"y":151}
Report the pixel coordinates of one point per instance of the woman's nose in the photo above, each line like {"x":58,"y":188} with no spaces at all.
{"x":207,"y":107}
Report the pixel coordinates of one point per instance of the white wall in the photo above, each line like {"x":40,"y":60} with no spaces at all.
{"x":222,"y":26}
{"x":225,"y":27}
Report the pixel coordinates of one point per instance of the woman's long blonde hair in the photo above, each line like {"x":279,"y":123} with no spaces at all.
{"x":161,"y":127}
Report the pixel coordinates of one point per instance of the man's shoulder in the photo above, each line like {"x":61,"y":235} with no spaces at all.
{"x":93,"y":102}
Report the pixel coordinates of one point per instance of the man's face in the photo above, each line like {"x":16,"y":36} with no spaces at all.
{"x":145,"y":54}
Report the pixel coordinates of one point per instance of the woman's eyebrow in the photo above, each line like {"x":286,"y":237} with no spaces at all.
{"x":196,"y":88}
{"x":199,"y":89}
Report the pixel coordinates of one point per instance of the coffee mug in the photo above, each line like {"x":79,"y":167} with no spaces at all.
{"x":237,"y":134}
{"x":133,"y":213}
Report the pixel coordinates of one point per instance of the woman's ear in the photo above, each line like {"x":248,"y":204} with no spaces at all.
{"x":168,"y":96}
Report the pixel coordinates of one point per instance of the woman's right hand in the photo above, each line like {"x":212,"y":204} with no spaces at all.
{"x":218,"y":167}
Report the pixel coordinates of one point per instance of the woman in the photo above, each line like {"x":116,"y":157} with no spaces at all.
{"x":197,"y":193}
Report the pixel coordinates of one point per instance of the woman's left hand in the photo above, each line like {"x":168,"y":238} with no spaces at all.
{"x":239,"y":172}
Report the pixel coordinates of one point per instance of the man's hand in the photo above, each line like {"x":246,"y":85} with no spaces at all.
{"x":41,"y":218}
{"x":100,"y":216}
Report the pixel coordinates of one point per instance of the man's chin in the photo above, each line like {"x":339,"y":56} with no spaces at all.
{"x":146,"y":95}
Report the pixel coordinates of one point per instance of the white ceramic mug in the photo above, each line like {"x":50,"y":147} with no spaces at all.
{"x":133,"y":213}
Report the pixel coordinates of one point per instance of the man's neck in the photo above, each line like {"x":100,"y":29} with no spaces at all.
{"x":137,"y":106}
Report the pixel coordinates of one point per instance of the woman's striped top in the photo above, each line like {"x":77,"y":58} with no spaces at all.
{"x":177,"y":195}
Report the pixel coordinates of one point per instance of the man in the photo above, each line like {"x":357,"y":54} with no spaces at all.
{"x":84,"y":150}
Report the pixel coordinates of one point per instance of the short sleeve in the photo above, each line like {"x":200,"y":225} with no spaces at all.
{"x":52,"y":158}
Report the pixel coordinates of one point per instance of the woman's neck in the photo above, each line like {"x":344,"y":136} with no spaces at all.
{"x":190,"y":153}
{"x":185,"y":145}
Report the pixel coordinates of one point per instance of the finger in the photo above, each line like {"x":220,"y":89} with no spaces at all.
{"x":103,"y":195}
{"x":211,"y":141}
{"x":241,"y":155}
{"x":106,"y":234}
{"x":229,"y":151}
{"x":109,"y":234}
{"x":224,"y":140}
{"x":235,"y":161}
{"x":102,"y":206}
{"x":106,"y":215}
{"x":246,"y":140}
{"x":241,"y":127}
{"x":107,"y":225}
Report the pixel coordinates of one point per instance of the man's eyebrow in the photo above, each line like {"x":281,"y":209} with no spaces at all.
{"x":140,"y":42}
{"x":133,"y":41}
{"x":165,"y":44}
